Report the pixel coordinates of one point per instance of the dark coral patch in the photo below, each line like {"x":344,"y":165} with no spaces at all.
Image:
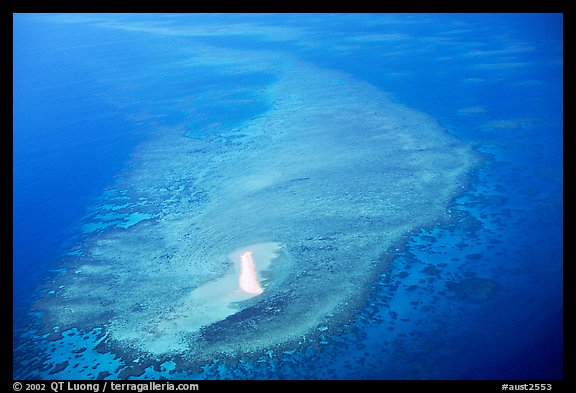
{"x":473,"y":289}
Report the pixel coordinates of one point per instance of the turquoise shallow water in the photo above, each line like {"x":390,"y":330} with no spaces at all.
{"x":474,"y":294}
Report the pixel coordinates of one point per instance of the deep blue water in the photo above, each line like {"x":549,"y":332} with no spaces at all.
{"x":68,"y":144}
{"x":494,"y":81}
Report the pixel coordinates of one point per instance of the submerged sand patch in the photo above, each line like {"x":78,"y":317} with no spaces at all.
{"x":206,"y":304}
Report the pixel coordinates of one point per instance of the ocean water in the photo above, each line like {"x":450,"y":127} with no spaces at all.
{"x":404,"y":171}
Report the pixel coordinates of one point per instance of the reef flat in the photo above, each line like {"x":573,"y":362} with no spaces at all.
{"x":335,"y":173}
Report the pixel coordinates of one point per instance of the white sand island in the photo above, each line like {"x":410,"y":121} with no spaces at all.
{"x":248,"y":279}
